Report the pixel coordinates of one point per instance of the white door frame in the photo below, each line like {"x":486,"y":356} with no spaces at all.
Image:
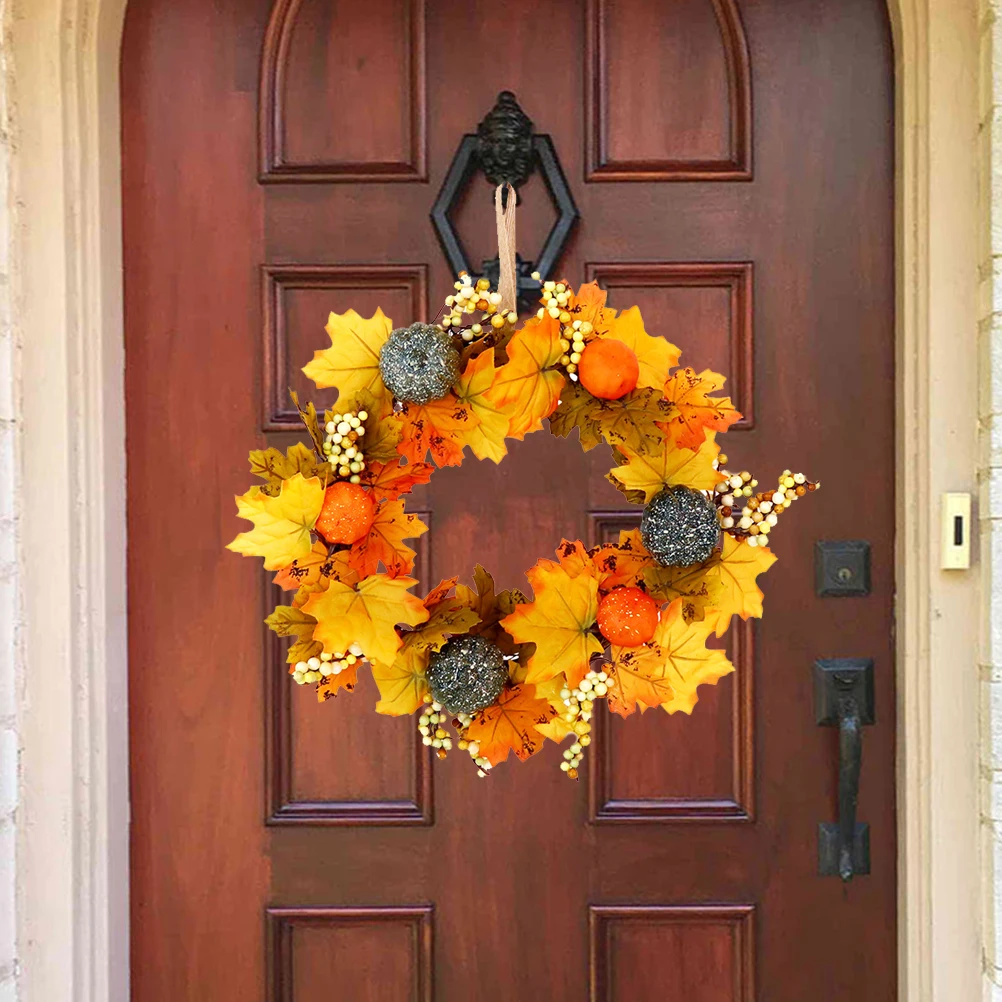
{"x":64,"y":294}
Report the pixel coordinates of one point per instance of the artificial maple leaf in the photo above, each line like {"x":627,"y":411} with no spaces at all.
{"x":637,"y":677}
{"x":475,"y":388}
{"x":402,"y":685}
{"x":588,"y":304}
{"x":389,"y":480}
{"x":440,"y":427}
{"x":288,"y":621}
{"x":308,"y":415}
{"x":385,"y":541}
{"x":511,"y":724}
{"x":578,"y":409}
{"x":739,"y":565}
{"x":527,"y":388}
{"x":559,"y":727}
{"x":314,"y":569}
{"x":558,"y":621}
{"x":668,"y":670}
{"x":345,"y":679}
{"x":655,"y":355}
{"x":698,"y":586}
{"x":383,"y":427}
{"x":691,"y":411}
{"x":274,"y":466}
{"x":282,"y":524}
{"x":688,"y":662}
{"x":366,"y":615}
{"x":351,"y":363}
{"x":622,"y":563}
{"x":574,"y":558}
{"x":670,"y":464}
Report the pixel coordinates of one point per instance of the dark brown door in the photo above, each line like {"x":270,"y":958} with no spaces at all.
{"x":732,"y":162}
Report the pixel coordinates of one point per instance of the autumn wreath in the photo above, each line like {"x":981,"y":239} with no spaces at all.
{"x":491,"y":672}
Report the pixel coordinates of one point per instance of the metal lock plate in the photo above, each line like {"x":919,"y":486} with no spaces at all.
{"x":841,"y":568}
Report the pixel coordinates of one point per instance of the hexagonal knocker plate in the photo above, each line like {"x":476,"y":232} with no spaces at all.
{"x":505,"y":149}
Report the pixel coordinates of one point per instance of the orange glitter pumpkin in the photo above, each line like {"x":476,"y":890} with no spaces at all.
{"x":608,"y":369}
{"x":628,"y":617}
{"x":347,"y":513}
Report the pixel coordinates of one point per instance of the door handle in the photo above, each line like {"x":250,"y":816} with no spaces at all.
{"x":843,"y":691}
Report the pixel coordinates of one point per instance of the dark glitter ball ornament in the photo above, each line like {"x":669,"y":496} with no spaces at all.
{"x":418,"y":363}
{"x":467,"y":674}
{"x":679,"y":526}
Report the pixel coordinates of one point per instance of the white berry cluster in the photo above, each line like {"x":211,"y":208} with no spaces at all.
{"x":472,"y":297}
{"x":754,"y":519}
{"x":580,"y":703}
{"x":324,"y":666}
{"x":573,"y":333}
{"x":343,"y":447}
{"x":433,"y":733}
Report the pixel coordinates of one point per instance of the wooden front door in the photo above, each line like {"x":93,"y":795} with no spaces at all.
{"x":732,"y":162}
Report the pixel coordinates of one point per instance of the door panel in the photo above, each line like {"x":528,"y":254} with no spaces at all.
{"x":280,"y":158}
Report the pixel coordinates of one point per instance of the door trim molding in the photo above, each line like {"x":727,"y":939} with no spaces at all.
{"x":60,"y":84}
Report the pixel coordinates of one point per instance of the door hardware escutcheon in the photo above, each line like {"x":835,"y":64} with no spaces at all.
{"x":843,"y":693}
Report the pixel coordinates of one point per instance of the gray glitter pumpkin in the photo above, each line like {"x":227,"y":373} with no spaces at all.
{"x":418,"y":363}
{"x":467,"y":674}
{"x":679,"y":527}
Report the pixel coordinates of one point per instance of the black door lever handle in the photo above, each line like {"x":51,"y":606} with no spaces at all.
{"x":844,"y":699}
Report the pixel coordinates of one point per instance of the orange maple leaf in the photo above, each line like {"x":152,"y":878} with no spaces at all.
{"x":346,"y":679}
{"x":510,"y":724}
{"x":388,"y":481}
{"x":385,"y":542}
{"x":622,"y":563}
{"x":440,"y":427}
{"x":312,"y":569}
{"x":693,"y":410}
{"x":527,"y":389}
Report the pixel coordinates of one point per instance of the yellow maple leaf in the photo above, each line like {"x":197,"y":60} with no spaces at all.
{"x":527,"y":388}
{"x":440,"y":427}
{"x":475,"y":388}
{"x":739,"y":565}
{"x":622,"y":563}
{"x":558,"y":728}
{"x":698,"y":585}
{"x":385,"y":541}
{"x":688,"y":662}
{"x":282,"y":524}
{"x":511,"y":724}
{"x":366,"y":615}
{"x":402,"y":683}
{"x":558,"y":621}
{"x":692,"y":411}
{"x":655,"y":355}
{"x":637,"y":677}
{"x":670,"y":464}
{"x":351,"y":363}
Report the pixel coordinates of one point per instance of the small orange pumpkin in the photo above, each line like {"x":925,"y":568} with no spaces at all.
{"x":628,"y":617}
{"x":347,"y":513}
{"x":608,"y":369}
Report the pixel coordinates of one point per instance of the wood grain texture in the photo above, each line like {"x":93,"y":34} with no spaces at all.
{"x":512,"y":863}
{"x":296,"y":301}
{"x":362,"y":954}
{"x":326,"y":112}
{"x":704,"y":304}
{"x":667,"y":99}
{"x":691,"y":939}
